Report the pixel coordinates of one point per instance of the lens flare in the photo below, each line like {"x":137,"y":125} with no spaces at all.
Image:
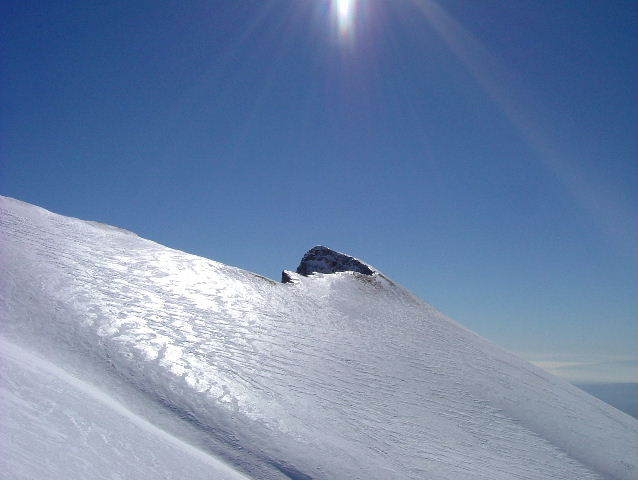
{"x":613,"y":216}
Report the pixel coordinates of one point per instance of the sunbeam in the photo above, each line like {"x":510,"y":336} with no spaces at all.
{"x":498,"y":83}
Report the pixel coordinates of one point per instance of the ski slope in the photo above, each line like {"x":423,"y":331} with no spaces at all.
{"x":124,"y":359}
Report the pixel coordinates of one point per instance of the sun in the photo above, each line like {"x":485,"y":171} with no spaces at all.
{"x":344,"y":11}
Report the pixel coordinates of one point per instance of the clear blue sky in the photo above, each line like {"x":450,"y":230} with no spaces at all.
{"x":481,"y":153}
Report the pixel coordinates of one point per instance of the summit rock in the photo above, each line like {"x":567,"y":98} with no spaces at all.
{"x":322,"y":259}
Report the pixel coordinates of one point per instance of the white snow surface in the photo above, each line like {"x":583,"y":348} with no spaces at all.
{"x":124,"y":359}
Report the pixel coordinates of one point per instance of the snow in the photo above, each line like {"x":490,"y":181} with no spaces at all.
{"x":58,"y":426}
{"x":122,"y":357}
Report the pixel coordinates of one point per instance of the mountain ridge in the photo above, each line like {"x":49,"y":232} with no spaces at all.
{"x":334,"y":375}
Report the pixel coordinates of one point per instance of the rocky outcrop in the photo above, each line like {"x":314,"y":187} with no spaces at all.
{"x":288,"y":277}
{"x":321,"y":259}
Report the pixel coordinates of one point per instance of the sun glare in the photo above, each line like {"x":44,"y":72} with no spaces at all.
{"x":344,"y":11}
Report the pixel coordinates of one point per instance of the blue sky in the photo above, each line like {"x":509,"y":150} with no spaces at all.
{"x":483,"y":154}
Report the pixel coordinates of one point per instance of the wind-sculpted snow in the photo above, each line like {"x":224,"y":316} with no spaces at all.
{"x":77,"y":431}
{"x":331,"y":376}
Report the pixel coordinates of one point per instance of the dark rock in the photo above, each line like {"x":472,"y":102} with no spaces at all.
{"x":286,"y":277}
{"x":324,"y":260}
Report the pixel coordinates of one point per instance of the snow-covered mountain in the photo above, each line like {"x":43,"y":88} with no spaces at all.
{"x":124,"y":359}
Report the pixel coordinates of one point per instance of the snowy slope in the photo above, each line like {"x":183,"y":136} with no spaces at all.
{"x":57,"y":426}
{"x":119,"y":351}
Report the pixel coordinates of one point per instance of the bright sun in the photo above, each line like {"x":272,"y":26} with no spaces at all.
{"x":344,"y":11}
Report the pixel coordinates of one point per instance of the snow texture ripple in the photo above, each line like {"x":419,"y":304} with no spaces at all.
{"x":123,"y":359}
